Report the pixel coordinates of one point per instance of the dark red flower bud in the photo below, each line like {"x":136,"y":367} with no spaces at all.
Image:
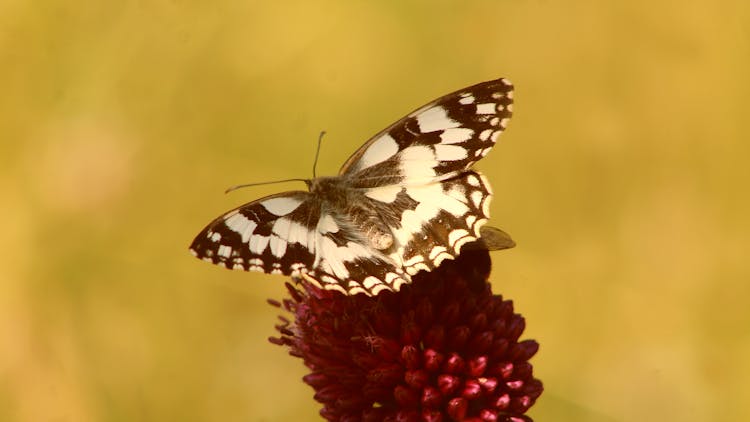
{"x":477,"y":366}
{"x":472,"y":390}
{"x":416,"y":378}
{"x":431,"y":398}
{"x":432,"y":360}
{"x":457,"y":408}
{"x":448,"y":384}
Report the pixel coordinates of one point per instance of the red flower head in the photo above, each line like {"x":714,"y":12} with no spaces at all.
{"x":443,"y":348}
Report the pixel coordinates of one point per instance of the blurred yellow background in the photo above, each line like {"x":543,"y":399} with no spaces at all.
{"x":623,"y":178}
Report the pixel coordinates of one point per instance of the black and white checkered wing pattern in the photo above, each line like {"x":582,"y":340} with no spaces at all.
{"x":404,"y":202}
{"x":443,"y":137}
{"x":277,"y":234}
{"x":416,"y":174}
{"x":290,"y":234}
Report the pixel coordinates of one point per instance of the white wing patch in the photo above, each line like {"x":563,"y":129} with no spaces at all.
{"x":466,"y":99}
{"x":385,"y":148}
{"x":281,"y":205}
{"x":386,"y":194}
{"x":435,"y":119}
{"x":486,"y":108}
{"x":293,"y":232}
{"x":258,"y":243}
{"x":418,"y":163}
{"x":224,"y":251}
{"x":450,"y":152}
{"x":456,"y":135}
{"x":277,"y":246}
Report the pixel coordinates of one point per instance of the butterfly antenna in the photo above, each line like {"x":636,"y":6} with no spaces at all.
{"x":317,"y":152}
{"x":246,"y":185}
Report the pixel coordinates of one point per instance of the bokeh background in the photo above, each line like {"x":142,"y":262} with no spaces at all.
{"x":623,"y":178}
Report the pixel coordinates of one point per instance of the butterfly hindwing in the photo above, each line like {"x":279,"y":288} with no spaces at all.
{"x":431,"y":222}
{"x":442,"y":224}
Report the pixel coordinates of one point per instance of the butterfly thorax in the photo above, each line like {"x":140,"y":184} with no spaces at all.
{"x":350,"y":207}
{"x":329,"y":189}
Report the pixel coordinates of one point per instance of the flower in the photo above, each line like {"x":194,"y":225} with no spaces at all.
{"x":442,"y":348}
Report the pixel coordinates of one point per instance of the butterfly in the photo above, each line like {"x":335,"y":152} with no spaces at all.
{"x":405,"y":201}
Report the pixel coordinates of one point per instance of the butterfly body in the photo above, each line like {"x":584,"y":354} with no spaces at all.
{"x":404,"y":202}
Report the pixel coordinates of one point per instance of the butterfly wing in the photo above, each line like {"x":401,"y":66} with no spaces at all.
{"x":277,"y":234}
{"x":292,"y":233}
{"x":431,"y":222}
{"x":443,"y":137}
{"x":353,"y":267}
{"x":416,"y":173}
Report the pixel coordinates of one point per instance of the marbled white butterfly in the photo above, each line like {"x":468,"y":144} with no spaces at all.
{"x":404,"y":202}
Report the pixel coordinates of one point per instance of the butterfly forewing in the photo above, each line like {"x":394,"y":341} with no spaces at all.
{"x":445,"y":136}
{"x":275,"y":234}
{"x":404,"y":202}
